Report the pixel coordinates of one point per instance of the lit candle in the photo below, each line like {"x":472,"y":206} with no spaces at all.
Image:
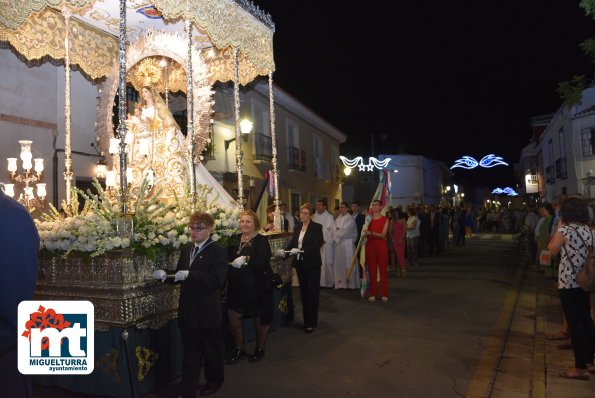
{"x":128,"y":138}
{"x":26,"y":149}
{"x":9,"y":190}
{"x":12,"y":165}
{"x":143,"y":147}
{"x":100,"y":170}
{"x":29,"y":192}
{"x":110,"y":179}
{"x":27,"y":165}
{"x":113,"y":146}
{"x":129,"y":175}
{"x":41,"y":192}
{"x":38,"y":165}
{"x":26,"y":154}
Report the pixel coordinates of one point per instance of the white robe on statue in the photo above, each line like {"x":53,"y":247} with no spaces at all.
{"x":167,"y":146}
{"x":344,"y":232}
{"x":327,"y":278}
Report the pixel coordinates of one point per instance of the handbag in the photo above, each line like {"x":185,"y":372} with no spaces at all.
{"x":272,"y":280}
{"x":586,"y":276}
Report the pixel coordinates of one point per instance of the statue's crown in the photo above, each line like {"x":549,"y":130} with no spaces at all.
{"x":149,"y":72}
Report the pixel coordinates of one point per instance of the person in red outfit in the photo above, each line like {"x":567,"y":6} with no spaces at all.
{"x":398,"y":231}
{"x":376,"y":251}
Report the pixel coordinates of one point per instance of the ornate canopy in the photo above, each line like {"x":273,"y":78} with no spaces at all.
{"x":35,"y":28}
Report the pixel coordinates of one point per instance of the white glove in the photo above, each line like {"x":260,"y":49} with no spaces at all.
{"x":294,"y":251}
{"x":181,"y":275}
{"x":238,"y":262}
{"x":160,"y":274}
{"x":279,"y":253}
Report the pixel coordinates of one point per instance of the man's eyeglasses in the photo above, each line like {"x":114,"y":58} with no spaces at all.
{"x":198,"y":229}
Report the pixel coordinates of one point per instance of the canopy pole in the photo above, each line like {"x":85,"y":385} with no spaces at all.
{"x":277,"y":217}
{"x":67,"y":111}
{"x":190,"y":115}
{"x":122,"y":106}
{"x":236,"y":101}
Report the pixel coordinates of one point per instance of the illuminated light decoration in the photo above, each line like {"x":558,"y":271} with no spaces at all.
{"x":508,"y":191}
{"x":492,"y":160}
{"x":466,"y":162}
{"x":359,"y":163}
{"x":488,"y":161}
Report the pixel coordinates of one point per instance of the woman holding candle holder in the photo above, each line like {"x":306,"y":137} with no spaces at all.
{"x":305,"y":248}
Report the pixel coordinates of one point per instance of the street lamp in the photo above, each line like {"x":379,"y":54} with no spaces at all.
{"x":101,"y":167}
{"x":245,"y":128}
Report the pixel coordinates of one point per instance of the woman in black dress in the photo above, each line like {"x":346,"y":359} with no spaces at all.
{"x":248,"y":293}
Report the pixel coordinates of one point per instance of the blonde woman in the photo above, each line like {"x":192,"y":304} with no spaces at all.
{"x":248,"y":295}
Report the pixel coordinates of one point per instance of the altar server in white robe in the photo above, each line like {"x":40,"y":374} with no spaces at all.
{"x":324,"y":218}
{"x":344,"y":232}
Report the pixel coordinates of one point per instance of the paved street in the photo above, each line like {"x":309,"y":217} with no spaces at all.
{"x":470,"y":322}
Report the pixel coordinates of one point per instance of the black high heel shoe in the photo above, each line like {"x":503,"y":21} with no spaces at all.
{"x":238,"y":355}
{"x":257,"y":355}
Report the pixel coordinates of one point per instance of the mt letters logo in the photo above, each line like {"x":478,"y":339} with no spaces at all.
{"x":56,"y":337}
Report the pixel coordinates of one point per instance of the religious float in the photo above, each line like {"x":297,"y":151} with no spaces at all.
{"x":107,"y":250}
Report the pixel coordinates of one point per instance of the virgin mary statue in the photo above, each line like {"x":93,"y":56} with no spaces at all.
{"x":157,"y":148}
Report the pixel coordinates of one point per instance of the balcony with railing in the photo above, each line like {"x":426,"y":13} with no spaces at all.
{"x":263,"y":147}
{"x":561,"y":171}
{"x":296,"y":159}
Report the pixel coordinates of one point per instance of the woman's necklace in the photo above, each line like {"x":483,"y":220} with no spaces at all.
{"x":244,"y":242}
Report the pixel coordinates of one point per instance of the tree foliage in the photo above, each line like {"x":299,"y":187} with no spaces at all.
{"x":589,"y":7}
{"x":571,"y":91}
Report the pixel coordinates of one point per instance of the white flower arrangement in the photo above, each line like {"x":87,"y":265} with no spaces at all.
{"x":158,"y":227}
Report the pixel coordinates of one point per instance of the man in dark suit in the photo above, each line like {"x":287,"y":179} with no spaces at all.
{"x":201,"y":271}
{"x":19,"y":243}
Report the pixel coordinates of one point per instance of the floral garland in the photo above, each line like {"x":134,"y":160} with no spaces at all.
{"x":158,"y":227}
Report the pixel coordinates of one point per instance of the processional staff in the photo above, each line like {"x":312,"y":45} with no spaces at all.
{"x":190,"y":113}
{"x":122,"y":105}
{"x":236,"y":108}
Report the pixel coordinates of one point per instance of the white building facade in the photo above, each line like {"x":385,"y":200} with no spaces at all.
{"x":561,"y":159}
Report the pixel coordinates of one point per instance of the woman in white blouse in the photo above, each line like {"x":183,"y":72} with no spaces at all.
{"x":572,"y":239}
{"x":305,"y":247}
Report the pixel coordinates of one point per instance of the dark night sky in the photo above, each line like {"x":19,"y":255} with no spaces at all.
{"x":436,"y":78}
